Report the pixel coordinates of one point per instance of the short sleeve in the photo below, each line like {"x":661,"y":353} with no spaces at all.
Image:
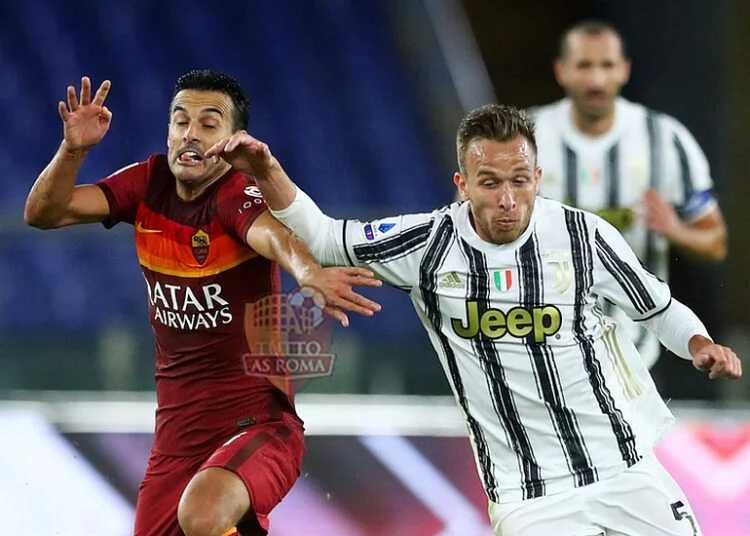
{"x":391,"y":247}
{"x":124,"y":190}
{"x":690,"y":185}
{"x":238,"y":205}
{"x":621,"y":278}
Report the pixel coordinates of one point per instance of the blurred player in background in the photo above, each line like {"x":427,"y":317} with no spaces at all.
{"x":554,"y":399}
{"x":227,"y":446}
{"x":639,"y":169}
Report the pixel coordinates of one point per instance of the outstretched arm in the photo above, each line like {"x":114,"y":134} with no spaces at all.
{"x":392,"y":248}
{"x":273,"y":241}
{"x":253,"y":157}
{"x":54,"y":200}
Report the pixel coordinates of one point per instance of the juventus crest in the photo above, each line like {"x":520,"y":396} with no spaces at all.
{"x":559,"y":262}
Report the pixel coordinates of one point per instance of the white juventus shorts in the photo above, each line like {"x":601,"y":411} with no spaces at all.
{"x":641,"y":501}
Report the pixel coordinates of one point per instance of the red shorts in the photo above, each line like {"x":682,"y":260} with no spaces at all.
{"x":267,"y":457}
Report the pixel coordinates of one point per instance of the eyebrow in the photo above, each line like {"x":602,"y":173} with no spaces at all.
{"x":179,"y":108}
{"x":491,"y":173}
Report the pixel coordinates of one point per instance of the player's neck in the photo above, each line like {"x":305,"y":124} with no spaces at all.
{"x":190,"y":192}
{"x":593,"y":126}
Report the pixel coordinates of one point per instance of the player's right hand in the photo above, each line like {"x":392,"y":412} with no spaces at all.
{"x":85,"y":122}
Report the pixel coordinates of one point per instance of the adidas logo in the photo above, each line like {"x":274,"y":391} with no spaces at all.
{"x":452,"y":280}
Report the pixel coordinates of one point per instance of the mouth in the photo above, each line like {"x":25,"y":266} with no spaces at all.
{"x":189,"y":157}
{"x":596,"y":98}
{"x":505,"y":224}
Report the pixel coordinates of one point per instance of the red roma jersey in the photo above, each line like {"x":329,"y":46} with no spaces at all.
{"x":201,"y":278}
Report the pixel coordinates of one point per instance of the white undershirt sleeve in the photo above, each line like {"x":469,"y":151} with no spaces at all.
{"x":391,"y":247}
{"x":322,"y":234}
{"x":675,"y":326}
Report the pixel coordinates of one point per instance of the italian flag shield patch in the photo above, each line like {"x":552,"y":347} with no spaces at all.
{"x":503,"y":279}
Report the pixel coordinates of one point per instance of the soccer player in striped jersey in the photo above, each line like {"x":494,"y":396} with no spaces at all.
{"x":228,"y":444}
{"x":560,"y":408}
{"x":638,"y":168}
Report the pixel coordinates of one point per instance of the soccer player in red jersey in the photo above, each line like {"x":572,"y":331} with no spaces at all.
{"x":227,"y":445}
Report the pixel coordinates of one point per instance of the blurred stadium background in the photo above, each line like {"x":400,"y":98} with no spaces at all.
{"x":360,"y":99}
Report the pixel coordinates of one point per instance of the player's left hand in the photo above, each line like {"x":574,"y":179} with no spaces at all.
{"x":660,"y":216}
{"x":336,"y":287}
{"x":244,"y":153}
{"x":719,"y":361}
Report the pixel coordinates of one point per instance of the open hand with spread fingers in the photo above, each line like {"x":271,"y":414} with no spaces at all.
{"x":85,"y":121}
{"x":334,"y":287}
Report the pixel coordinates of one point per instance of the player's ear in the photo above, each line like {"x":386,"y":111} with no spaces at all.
{"x":625,"y":71}
{"x":460,"y":182}
{"x":538,"y":173}
{"x":559,"y":70}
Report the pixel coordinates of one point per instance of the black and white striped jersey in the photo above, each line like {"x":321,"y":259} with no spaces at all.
{"x":609,"y":175}
{"x":554,"y":395}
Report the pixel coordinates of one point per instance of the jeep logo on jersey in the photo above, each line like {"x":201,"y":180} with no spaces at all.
{"x":200,"y":243}
{"x":289,"y":339}
{"x":539,"y":322}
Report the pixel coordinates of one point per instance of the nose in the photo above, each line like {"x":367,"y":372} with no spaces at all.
{"x":506,"y":199}
{"x":597,"y":78}
{"x":190,"y":133}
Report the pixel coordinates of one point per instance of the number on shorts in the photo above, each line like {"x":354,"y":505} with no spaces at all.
{"x":679,"y":516}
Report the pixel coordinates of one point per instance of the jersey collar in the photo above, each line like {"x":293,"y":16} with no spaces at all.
{"x":466,"y":230}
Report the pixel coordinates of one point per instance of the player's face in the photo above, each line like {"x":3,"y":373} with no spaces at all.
{"x":501,"y":183}
{"x":592,"y":72}
{"x":198,"y":120}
